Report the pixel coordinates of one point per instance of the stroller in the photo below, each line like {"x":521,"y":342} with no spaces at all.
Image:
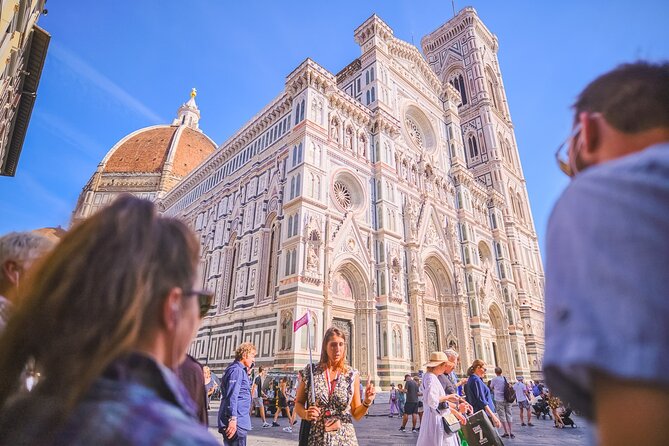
{"x":566,"y":417}
{"x":541,"y":408}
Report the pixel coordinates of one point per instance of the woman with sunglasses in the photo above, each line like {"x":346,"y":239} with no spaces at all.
{"x":107,"y":317}
{"x":478,"y":394}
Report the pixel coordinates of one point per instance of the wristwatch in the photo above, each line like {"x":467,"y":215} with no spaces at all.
{"x":231,"y":419}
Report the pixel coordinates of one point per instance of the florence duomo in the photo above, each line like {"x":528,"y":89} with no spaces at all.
{"x":387,"y":199}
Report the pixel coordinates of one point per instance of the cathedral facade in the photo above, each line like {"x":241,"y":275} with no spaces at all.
{"x":387,"y":200}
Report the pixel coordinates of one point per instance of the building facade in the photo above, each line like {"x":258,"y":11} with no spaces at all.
{"x":23,"y":47}
{"x":387,"y":200}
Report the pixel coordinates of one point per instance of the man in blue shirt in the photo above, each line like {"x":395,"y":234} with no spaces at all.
{"x":607,"y":337}
{"x":234,"y":420}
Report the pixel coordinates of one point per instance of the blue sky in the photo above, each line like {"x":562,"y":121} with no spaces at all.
{"x":116,"y":66}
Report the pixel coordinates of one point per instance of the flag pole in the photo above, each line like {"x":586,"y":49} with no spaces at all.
{"x":311,"y":363}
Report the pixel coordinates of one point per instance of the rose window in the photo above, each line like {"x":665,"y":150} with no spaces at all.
{"x":342,"y":195}
{"x":414,"y":132}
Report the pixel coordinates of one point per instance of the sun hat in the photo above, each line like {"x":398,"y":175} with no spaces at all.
{"x":436,"y":358}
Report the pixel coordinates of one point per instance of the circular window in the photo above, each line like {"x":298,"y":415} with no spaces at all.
{"x":414,"y":132}
{"x":343,"y":195}
{"x":347,"y":192}
{"x":418,"y":130}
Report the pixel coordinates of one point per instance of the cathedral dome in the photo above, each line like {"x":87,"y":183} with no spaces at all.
{"x":149,"y":149}
{"x":148,"y":162}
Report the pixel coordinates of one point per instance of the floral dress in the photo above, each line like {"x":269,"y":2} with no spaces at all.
{"x":337,"y":403}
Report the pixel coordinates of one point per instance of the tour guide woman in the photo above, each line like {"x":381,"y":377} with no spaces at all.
{"x":107,"y":316}
{"x":478,"y":394}
{"x":337,"y":388}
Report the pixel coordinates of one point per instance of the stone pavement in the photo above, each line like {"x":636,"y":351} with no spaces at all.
{"x":379,"y":429}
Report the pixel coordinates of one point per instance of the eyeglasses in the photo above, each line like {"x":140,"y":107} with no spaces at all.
{"x":562,"y":152}
{"x":204,"y":298}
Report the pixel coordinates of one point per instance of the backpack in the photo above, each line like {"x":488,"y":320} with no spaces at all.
{"x":509,"y":393}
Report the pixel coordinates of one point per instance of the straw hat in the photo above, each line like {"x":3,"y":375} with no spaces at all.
{"x":436,"y":358}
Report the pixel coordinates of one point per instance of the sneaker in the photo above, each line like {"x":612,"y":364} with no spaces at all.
{"x":402,"y":429}
{"x":530,"y":424}
{"x":523,"y":424}
{"x":287,"y":429}
{"x":414,"y":431}
{"x":275,"y":424}
{"x":505,"y":436}
{"x":512,"y":436}
{"x":266,"y":425}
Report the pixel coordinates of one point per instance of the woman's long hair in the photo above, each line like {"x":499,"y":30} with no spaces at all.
{"x":325,"y":359}
{"x":94,"y":296}
{"x":472,"y":368}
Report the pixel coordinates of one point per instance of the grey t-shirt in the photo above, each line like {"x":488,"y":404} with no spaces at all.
{"x":412,"y":391}
{"x":606,"y":277}
{"x":447,"y":384}
{"x":497,"y":385}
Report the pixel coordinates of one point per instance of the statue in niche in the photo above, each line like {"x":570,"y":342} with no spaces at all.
{"x":348,"y":142}
{"x":458,"y":282}
{"x":414,"y":262}
{"x":334,"y":130}
{"x":312,"y":258}
{"x":362,"y":145}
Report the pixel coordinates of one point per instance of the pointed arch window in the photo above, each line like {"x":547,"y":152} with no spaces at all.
{"x":473,"y":147}
{"x":459,"y":83}
{"x":232,"y":276}
{"x":272,"y":260}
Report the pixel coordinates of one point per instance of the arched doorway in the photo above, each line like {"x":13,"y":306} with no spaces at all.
{"x":500,"y":340}
{"x":348,"y":293}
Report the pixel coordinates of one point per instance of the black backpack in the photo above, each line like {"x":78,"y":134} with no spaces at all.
{"x":509,"y":393}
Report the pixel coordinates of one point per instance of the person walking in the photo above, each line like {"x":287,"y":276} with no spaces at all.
{"x":258,"y":395}
{"x":436,"y":404}
{"x":394,"y":406}
{"x":411,"y":406}
{"x":210,"y":384}
{"x":108,"y":316}
{"x":234,"y":420}
{"x":338,"y":400}
{"x":523,"y":398}
{"x":401,"y":398}
{"x":478,"y":394}
{"x":498,"y":386}
{"x":281,"y":405}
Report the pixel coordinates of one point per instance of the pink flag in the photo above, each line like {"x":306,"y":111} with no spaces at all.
{"x":304,"y":320}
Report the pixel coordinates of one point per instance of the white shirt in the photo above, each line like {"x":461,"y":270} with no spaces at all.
{"x":520,"y":389}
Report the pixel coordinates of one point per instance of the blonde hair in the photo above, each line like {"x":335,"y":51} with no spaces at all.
{"x":244,"y":349}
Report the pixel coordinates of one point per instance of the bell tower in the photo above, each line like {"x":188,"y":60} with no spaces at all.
{"x":463,"y":52}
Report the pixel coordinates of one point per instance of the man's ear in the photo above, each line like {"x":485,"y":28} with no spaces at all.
{"x":170,"y":310}
{"x":10,"y":271}
{"x":590,"y":137}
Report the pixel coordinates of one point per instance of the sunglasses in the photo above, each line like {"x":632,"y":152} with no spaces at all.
{"x":562,"y":152}
{"x":204,"y":298}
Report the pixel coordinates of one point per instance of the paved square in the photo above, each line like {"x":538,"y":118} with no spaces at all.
{"x":379,"y":429}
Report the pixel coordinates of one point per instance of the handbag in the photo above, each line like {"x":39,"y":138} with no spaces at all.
{"x":509,"y":393}
{"x":479,"y":431}
{"x":451,"y":422}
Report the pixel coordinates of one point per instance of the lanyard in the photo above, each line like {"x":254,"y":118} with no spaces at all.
{"x":331,"y":385}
